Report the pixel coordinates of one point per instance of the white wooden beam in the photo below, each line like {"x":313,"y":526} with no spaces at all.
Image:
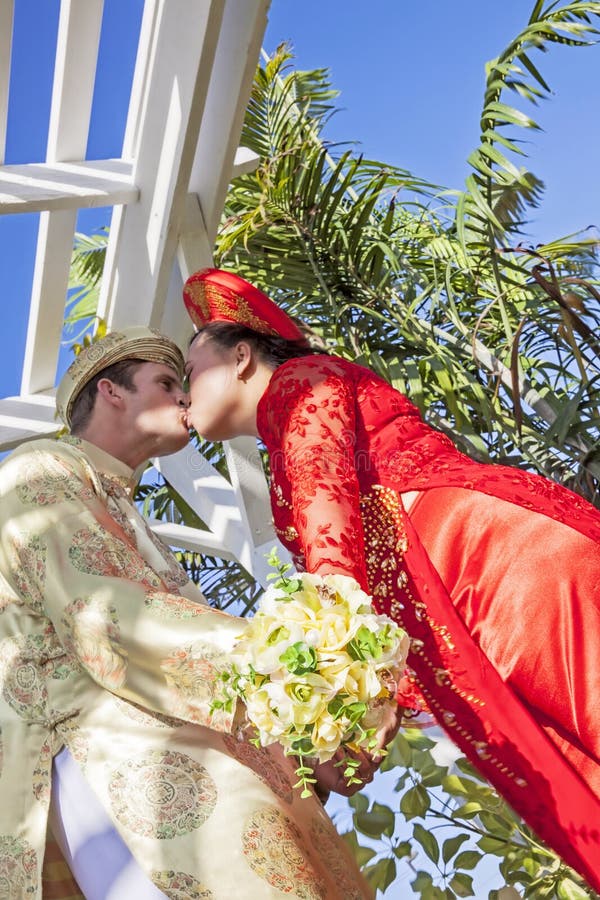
{"x":185,"y":538}
{"x":6,"y":29}
{"x":215,"y":501}
{"x":72,"y":93}
{"x":138,"y":98}
{"x":209,"y":494}
{"x":24,"y":418}
{"x":250,"y":488}
{"x":245,"y":161}
{"x":58,"y":186}
{"x":143,"y":237}
{"x":218,"y":158}
{"x":74,"y":77}
{"x":231,"y":82}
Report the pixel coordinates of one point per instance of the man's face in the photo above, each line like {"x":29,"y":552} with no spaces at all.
{"x":157,"y":408}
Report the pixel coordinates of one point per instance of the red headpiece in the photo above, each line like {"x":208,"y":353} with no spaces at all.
{"x":213,"y":295}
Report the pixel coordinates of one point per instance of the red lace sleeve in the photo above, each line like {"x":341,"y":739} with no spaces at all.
{"x":309,"y":413}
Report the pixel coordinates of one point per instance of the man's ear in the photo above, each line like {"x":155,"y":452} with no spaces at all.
{"x":110,"y":392}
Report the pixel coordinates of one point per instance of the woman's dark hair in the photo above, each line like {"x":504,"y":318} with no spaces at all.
{"x":121,"y":373}
{"x":272,"y":349}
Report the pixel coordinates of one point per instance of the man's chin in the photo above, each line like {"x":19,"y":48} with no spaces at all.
{"x":173,"y":444}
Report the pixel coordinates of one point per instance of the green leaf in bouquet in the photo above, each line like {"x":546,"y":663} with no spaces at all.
{"x":335,"y":707}
{"x":305,"y":775}
{"x":351,"y":766}
{"x":299,"y":659}
{"x":355,"y":711}
{"x":387,"y":636}
{"x":275,"y":563}
{"x":364,"y":645}
{"x":567,"y":889}
{"x":288,"y":586}
{"x":302,"y":746}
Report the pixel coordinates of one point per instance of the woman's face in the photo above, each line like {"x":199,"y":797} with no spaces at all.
{"x":215,"y":390}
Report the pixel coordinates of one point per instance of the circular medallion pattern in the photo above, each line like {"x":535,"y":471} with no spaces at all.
{"x":162,"y":794}
{"x":23,"y":686}
{"x":275,"y":851}
{"x":97,"y":552}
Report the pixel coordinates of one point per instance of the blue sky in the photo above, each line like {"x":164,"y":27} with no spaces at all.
{"x":411,"y":80}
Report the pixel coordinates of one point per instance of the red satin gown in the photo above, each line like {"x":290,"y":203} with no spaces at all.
{"x":493,"y":572}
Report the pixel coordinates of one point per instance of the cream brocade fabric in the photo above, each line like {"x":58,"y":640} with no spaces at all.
{"x":107,"y":648}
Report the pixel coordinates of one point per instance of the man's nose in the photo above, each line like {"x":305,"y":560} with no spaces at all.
{"x":184,"y":400}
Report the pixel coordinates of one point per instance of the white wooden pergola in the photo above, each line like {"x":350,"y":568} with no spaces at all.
{"x":194,"y":69}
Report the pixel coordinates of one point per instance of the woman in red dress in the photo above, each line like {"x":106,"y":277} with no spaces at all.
{"x":494,"y":572}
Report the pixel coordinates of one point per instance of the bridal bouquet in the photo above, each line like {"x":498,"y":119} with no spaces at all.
{"x":315,"y":668}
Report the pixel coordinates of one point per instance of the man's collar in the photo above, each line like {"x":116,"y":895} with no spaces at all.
{"x":104,"y":462}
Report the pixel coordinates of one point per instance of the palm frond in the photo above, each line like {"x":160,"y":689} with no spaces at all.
{"x":400,"y":274}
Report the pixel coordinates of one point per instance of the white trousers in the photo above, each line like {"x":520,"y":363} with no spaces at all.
{"x":100,"y":861}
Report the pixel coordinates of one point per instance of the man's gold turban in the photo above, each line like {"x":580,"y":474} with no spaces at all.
{"x":141,"y":343}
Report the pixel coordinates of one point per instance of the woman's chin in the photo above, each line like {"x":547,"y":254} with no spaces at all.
{"x":205,"y":431}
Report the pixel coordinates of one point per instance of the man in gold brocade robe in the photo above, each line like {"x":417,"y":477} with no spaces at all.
{"x":108,"y":657}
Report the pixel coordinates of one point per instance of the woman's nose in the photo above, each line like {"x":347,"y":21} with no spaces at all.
{"x":184,"y":401}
